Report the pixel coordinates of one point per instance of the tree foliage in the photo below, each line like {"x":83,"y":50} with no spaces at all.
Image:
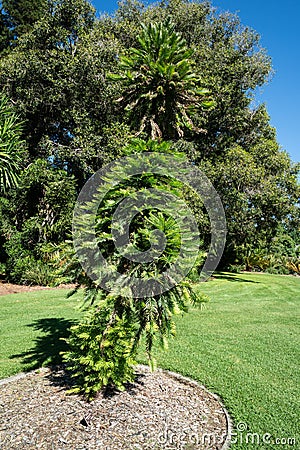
{"x":103,"y":347}
{"x":260,"y":191}
{"x":57,"y":90}
{"x":22,"y":15}
{"x":37,"y":213}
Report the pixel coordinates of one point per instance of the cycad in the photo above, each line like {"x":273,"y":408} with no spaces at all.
{"x":161,"y":91}
{"x":9,"y":143}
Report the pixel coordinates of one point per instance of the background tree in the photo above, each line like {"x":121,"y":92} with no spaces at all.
{"x":18,"y":17}
{"x":5,"y":32}
{"x":258,"y":204}
{"x":56,"y":77}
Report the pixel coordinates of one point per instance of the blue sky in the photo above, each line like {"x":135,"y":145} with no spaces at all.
{"x":278,"y":24}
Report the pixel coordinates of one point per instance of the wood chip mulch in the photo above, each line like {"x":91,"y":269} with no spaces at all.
{"x":160,"y":410}
{"x":10,"y":288}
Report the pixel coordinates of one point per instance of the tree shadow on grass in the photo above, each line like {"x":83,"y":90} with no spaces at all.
{"x":232,"y":277}
{"x":46,"y":353}
{"x":48,"y":345}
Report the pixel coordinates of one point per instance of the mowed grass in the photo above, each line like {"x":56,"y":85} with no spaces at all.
{"x":31,"y":327}
{"x":244,"y":346}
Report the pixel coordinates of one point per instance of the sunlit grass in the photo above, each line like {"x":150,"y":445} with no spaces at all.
{"x":244,"y":346}
{"x":31,"y":325}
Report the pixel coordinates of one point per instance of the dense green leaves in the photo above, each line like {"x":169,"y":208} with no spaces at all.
{"x":18,"y":17}
{"x":22,"y":15}
{"x":37,"y":213}
{"x":55,"y":76}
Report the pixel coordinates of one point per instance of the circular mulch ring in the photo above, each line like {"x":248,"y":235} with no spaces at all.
{"x":160,"y":410}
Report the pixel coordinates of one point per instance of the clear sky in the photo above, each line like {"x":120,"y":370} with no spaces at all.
{"x":278,"y":24}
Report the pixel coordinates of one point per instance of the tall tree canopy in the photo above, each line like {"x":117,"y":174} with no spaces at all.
{"x":18,"y":17}
{"x":61,"y":58}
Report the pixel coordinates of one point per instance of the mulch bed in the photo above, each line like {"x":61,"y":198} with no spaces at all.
{"x":160,"y":410}
{"x":10,"y":288}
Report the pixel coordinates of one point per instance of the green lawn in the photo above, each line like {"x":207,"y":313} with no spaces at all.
{"x":244,"y":346}
{"x":31,"y":325}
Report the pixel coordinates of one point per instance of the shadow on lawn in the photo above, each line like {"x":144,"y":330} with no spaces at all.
{"x":46,"y":353}
{"x":47,"y":346}
{"x":232,"y":277}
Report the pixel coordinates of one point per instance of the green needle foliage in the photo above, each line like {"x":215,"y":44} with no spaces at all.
{"x":161,"y":90}
{"x":103,"y":347}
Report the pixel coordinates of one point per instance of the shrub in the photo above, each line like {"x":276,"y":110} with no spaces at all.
{"x":38,"y":212}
